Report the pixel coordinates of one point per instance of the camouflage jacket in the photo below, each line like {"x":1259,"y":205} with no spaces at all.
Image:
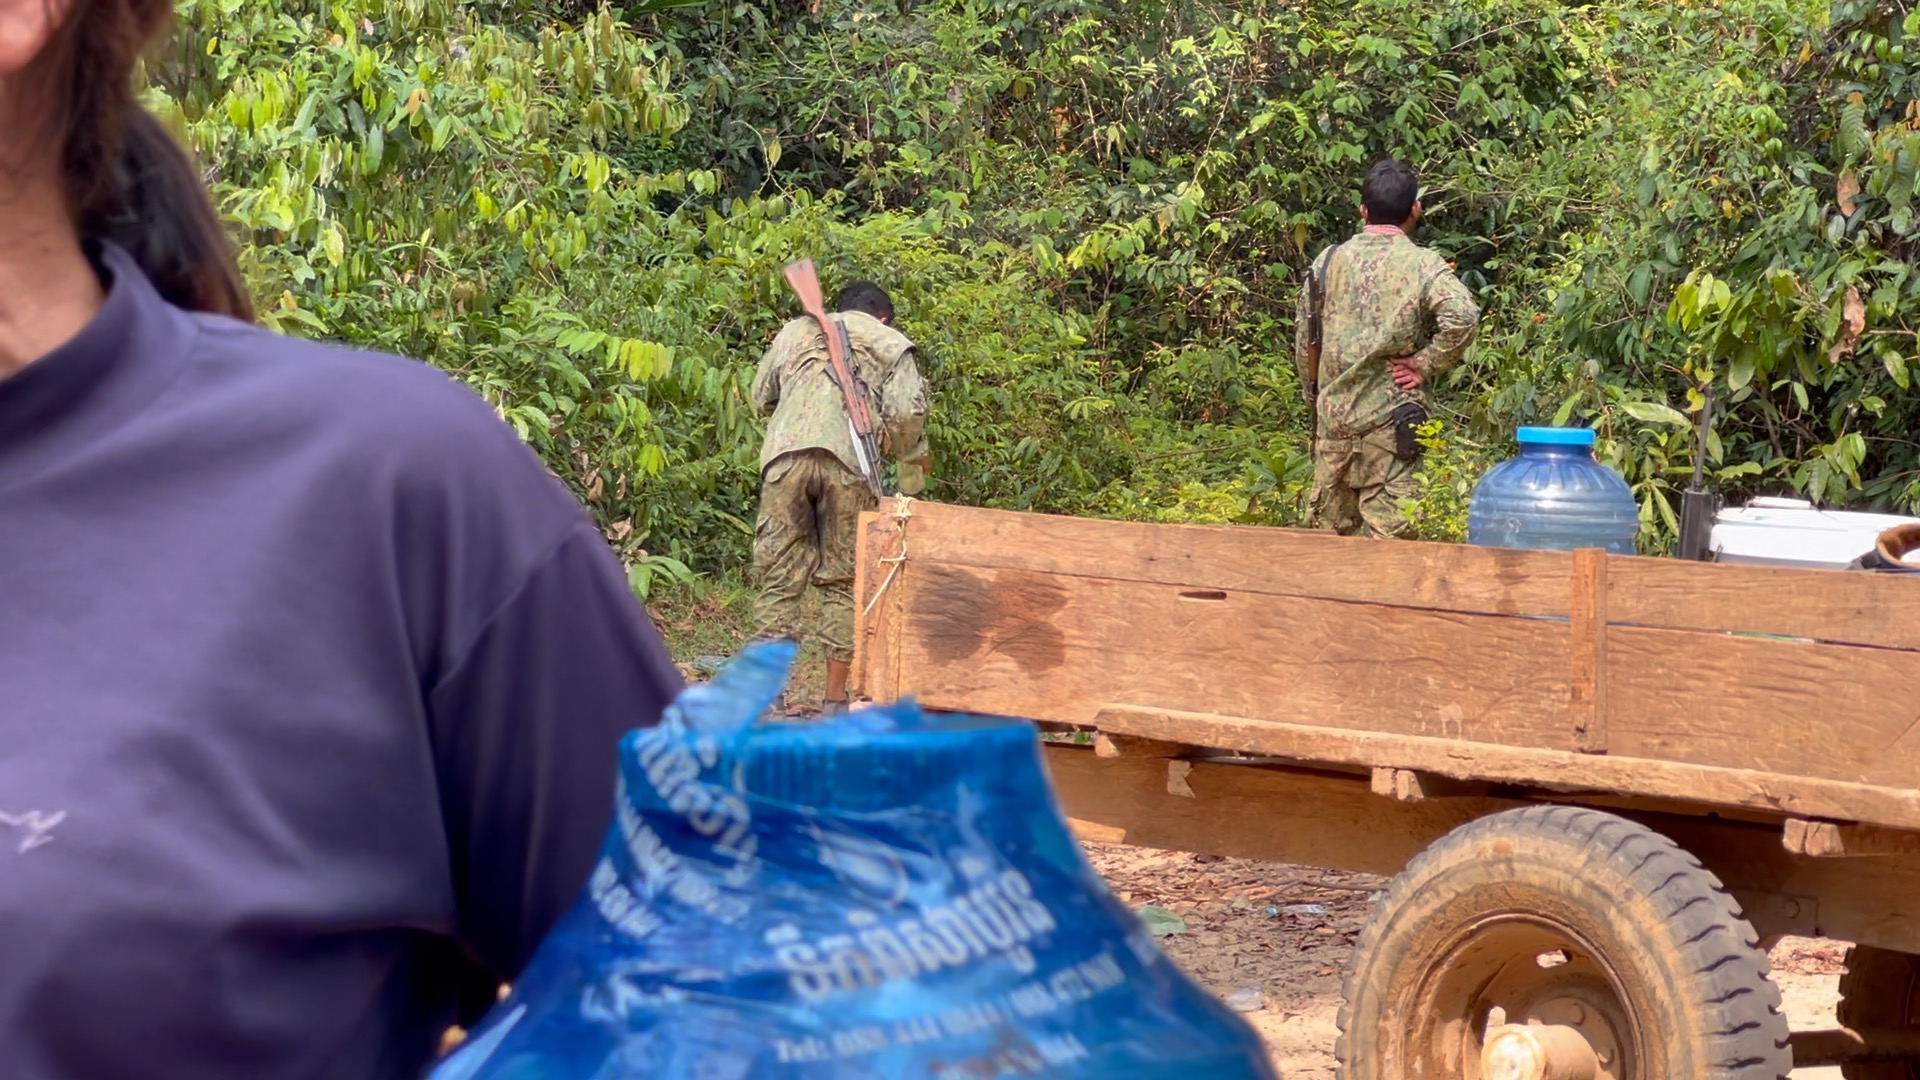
{"x":795,"y":385}
{"x":1386,"y":298}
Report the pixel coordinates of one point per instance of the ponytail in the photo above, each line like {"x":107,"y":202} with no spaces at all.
{"x":128,"y":181}
{"x":158,"y":212}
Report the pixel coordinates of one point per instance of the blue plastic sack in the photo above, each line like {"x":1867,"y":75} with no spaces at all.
{"x":882,"y":896}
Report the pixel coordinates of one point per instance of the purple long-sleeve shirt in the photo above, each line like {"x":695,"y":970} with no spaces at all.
{"x":311,"y":680}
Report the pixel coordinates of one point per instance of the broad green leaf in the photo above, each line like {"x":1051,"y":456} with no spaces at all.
{"x":1565,"y":412}
{"x":373,"y":150}
{"x":1639,"y":283}
{"x":1896,"y":366}
{"x":1653,"y":412}
{"x":334,"y":242}
{"x":1159,"y":921}
{"x":1740,"y":371}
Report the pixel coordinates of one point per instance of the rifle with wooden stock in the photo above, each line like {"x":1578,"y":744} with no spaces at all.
{"x":866,"y":446}
{"x":1315,"y":330}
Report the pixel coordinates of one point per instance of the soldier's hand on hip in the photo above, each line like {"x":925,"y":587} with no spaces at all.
{"x":1405,"y":375}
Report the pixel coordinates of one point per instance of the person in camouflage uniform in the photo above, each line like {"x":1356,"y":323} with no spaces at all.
{"x":1393,"y":316}
{"x":811,"y":490}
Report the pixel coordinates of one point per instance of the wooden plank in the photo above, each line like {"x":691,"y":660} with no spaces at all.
{"x":1115,"y":746}
{"x":1869,"y":901}
{"x":1315,"y":819}
{"x":1830,"y":840}
{"x":1865,"y":609}
{"x":1236,"y":559}
{"x":1652,"y":805}
{"x":1587,"y":619}
{"x":1838,"y":1046}
{"x":1059,"y":648}
{"x":1098,"y":834}
{"x":878,"y":586}
{"x":895,"y":608}
{"x":1386,"y":782}
{"x":1810,"y":838}
{"x":863,"y":586}
{"x":1412,"y":785}
{"x":1831,"y":712}
{"x":1250,"y":812}
{"x":1555,"y":770}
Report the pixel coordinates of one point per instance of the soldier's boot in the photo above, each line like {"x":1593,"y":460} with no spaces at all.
{"x":838,"y":672}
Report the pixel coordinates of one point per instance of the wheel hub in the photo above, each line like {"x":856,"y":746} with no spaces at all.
{"x":1522,"y":975}
{"x":1592,"y":1021}
{"x":1537,"y":1052}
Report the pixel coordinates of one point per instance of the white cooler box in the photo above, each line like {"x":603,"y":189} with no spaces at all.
{"x":1789,"y":532}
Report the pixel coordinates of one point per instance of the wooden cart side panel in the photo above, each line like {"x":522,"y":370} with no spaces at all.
{"x":1016,"y":614}
{"x":1795,"y":708}
{"x":1787,"y":794}
{"x":1320,"y":820}
{"x":1280,"y":562}
{"x":1299,"y":818}
{"x":1852,"y":608}
{"x":1061,"y":648}
{"x":1855,"y":608}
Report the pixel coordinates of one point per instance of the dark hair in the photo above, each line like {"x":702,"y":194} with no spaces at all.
{"x":1389,"y":192}
{"x":865,"y":296}
{"x":127,"y":180}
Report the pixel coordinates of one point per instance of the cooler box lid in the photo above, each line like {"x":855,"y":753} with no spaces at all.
{"x":1792,"y":532}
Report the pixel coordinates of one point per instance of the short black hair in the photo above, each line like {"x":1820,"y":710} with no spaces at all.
{"x":865,"y":296}
{"x":1389,"y":192}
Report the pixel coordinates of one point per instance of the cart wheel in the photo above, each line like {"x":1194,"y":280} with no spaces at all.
{"x":1880,"y":991}
{"x":1558,"y":943}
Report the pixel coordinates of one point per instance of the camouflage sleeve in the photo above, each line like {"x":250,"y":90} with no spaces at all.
{"x":903,"y":409}
{"x":766,"y":379}
{"x":1455,"y":317}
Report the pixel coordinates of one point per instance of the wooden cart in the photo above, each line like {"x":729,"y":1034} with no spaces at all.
{"x":1604,"y":783}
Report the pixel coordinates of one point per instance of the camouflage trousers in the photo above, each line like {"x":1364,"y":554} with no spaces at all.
{"x":1358,"y":486}
{"x":810,"y":506}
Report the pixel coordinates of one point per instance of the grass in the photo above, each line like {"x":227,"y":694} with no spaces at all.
{"x":707,"y":617}
{"x":714,"y":617}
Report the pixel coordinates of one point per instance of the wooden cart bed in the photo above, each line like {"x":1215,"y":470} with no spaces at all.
{"x":1778,"y":708}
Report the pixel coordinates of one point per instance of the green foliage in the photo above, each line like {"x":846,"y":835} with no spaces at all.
{"x":1093,"y":216}
{"x":412,"y":179}
{"x":1449,"y":467}
{"x":643,"y":572}
{"x":1168,"y":168}
{"x":1763,"y":251}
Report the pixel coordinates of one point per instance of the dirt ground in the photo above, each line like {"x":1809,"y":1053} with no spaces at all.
{"x":1286,"y":932}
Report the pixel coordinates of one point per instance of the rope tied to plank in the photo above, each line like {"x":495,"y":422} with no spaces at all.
{"x":902,"y":513}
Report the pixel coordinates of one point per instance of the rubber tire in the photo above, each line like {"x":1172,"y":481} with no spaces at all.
{"x":1677,"y":940}
{"x":1878,"y":991}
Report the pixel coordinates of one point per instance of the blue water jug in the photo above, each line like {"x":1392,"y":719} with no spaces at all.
{"x":1554,"y":495}
{"x":886,"y":895}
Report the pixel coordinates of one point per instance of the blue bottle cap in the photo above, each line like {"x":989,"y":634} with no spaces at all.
{"x":1557,"y":436}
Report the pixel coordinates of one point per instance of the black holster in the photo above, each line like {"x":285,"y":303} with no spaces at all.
{"x":1406,"y":437}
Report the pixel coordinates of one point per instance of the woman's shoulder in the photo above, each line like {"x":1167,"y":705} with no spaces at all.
{"x":371,"y":411}
{"x":299,"y":381}
{"x":340,"y":380}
